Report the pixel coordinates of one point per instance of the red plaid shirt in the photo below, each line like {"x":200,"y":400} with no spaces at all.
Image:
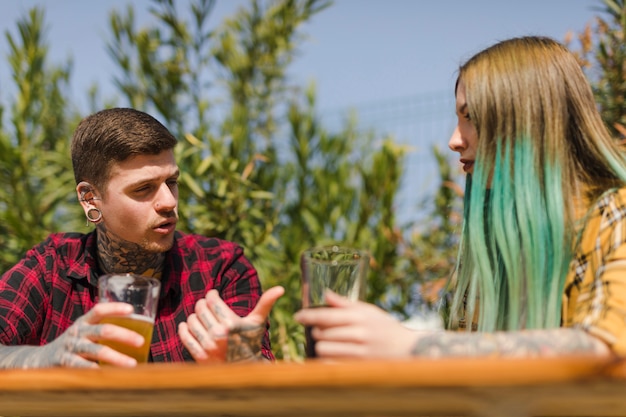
{"x":55,"y":283}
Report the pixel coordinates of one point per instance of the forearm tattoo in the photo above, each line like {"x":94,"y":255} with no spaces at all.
{"x":71,"y":349}
{"x":19,"y":357}
{"x":528,"y":343}
{"x":244,"y":343}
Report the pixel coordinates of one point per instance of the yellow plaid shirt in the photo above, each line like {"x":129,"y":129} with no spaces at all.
{"x":594,"y":298}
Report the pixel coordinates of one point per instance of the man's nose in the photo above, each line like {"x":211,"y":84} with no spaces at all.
{"x":166,"y":200}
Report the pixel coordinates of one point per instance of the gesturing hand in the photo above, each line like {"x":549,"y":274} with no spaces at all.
{"x":215,"y":333}
{"x":77,"y":346}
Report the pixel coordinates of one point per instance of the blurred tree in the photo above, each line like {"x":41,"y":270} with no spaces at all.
{"x":274,"y":187}
{"x":430,"y":252}
{"x":259,"y":168}
{"x":602,"y":53}
{"x":35,"y":169}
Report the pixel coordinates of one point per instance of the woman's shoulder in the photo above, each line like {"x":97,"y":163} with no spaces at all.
{"x":606,"y":216}
{"x":612,"y":201}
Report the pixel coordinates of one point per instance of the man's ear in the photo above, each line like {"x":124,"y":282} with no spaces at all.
{"x":86,"y":194}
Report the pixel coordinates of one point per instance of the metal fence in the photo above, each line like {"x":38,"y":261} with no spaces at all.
{"x":421,"y":122}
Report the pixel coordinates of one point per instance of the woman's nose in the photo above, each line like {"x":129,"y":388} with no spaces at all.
{"x":456,"y":142}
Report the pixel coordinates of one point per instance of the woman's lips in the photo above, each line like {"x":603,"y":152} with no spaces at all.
{"x":467,"y":165}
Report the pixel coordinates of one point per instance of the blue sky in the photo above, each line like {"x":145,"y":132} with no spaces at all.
{"x":365,"y":50}
{"x":359,"y":51}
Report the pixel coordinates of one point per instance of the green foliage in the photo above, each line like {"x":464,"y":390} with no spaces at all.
{"x":603,"y":55}
{"x":276,"y":188}
{"x":258,"y":167}
{"x":35,"y":168}
{"x":429,"y":253}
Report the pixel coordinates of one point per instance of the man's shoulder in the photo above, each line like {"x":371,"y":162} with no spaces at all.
{"x":194,"y":242}
{"x":63,"y":248}
{"x":67,"y":241}
{"x":59,"y":251}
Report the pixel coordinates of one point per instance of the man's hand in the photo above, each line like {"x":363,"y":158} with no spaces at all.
{"x":78,"y":346}
{"x":214,"y":333}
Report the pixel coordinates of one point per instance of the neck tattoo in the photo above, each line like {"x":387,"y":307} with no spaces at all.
{"x":116,"y":255}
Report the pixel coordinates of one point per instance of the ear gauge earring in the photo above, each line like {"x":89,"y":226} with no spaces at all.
{"x":94,"y":218}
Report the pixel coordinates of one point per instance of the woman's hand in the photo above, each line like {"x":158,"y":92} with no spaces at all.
{"x":356,"y":329}
{"x":214,"y":333}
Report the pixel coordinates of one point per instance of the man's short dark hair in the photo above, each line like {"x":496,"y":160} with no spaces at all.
{"x":114,"y":135}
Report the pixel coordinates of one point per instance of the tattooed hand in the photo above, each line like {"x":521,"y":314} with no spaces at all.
{"x":77,"y":346}
{"x":361,"y":330}
{"x":244,"y":343}
{"x":214,"y":333}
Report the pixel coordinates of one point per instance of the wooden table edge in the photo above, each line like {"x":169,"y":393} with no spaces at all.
{"x":462,"y":372}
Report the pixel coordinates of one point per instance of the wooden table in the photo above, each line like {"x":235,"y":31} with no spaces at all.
{"x":450,"y":387}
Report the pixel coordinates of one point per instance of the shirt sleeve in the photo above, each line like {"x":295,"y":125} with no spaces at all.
{"x":607,"y":318}
{"x":22,"y":297}
{"x":241,"y":292}
{"x":600,"y":302}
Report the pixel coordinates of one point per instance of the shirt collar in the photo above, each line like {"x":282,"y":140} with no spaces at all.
{"x":87,"y":265}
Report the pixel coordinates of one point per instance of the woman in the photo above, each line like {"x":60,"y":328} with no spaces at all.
{"x":542,"y":259}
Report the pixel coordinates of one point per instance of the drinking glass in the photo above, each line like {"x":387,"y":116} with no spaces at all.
{"x":143,"y":294}
{"x":338,"y":268}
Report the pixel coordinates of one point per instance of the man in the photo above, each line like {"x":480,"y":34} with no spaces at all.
{"x":127,"y":184}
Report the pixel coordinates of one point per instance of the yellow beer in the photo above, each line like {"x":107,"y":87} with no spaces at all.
{"x":137,"y":323}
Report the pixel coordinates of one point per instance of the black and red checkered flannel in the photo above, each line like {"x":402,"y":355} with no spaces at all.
{"x":56,"y":282}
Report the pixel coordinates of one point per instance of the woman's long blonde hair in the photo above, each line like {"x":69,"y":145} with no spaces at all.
{"x":542,"y":147}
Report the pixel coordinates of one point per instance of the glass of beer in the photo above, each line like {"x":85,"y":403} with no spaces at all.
{"x":338,"y":268}
{"x":143,"y":294}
